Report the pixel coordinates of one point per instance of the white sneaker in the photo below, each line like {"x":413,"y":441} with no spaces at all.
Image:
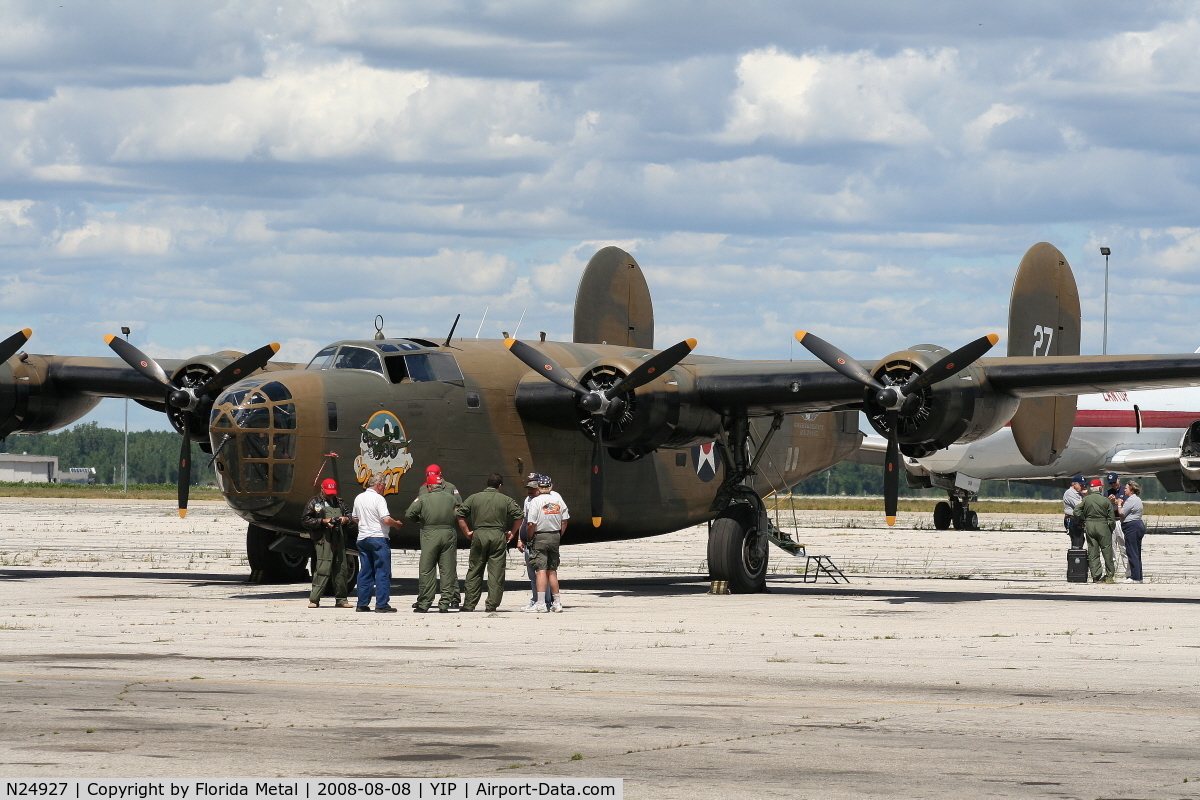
{"x":540,"y":608}
{"x":556,"y":606}
{"x":1130,"y":580}
{"x":530,"y":606}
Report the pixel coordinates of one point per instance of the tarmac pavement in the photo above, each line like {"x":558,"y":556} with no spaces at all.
{"x":953,"y":664}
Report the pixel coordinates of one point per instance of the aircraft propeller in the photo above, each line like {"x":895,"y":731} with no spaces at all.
{"x":10,"y":346}
{"x":896,"y":399}
{"x":598,"y":402}
{"x":188,"y":398}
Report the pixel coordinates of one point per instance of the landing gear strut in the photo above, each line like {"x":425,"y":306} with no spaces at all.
{"x":956,"y":513}
{"x":740,"y":536}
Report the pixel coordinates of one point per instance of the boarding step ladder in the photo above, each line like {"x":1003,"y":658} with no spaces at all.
{"x":815,"y":565}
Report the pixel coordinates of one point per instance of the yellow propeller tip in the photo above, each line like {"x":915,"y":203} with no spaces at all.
{"x":182,"y":513}
{"x":108,"y":337}
{"x":891,"y":521}
{"x":993,"y":337}
{"x":691,"y":343}
{"x":274,"y":347}
{"x":595,"y":522}
{"x":800,"y":335}
{"x":509,"y":343}
{"x":27,"y":331}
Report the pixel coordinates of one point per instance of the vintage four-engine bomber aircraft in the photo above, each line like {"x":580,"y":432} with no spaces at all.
{"x":652,"y":441}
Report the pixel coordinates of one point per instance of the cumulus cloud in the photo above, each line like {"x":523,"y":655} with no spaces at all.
{"x":835,"y":97}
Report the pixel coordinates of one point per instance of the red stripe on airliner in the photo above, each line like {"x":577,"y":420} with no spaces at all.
{"x":1124,"y":418}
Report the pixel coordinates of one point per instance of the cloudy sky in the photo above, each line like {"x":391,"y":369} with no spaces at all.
{"x":221,"y":175}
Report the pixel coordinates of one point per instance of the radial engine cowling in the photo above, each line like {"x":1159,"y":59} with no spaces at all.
{"x":961,"y":408}
{"x":660,"y":413}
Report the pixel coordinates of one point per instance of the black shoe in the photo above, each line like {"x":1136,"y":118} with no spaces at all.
{"x":492,"y":610}
{"x":443,"y":610}
{"x":415,"y":605}
{"x":362,"y":608}
{"x":385,"y":610}
{"x":464,"y":609}
{"x":455,"y":603}
{"x":419,"y":610}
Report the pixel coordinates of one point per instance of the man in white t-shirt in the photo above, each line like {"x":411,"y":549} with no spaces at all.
{"x":374,"y":552}
{"x":546,"y":525}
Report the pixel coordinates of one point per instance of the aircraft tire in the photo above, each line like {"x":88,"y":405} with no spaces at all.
{"x":942,"y":516}
{"x":731,"y":557}
{"x":270,"y":566}
{"x":971,"y":521}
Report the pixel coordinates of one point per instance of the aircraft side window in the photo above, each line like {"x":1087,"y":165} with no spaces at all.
{"x":323,"y":359}
{"x":358,"y":358}
{"x":396,"y":369}
{"x":331,"y":416}
{"x":219,"y":419}
{"x":285,"y":417}
{"x":472,"y":400}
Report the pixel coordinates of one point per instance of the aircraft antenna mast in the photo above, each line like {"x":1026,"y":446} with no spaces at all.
{"x":481,"y":321}
{"x":522,"y":319}
{"x":452,"y":328}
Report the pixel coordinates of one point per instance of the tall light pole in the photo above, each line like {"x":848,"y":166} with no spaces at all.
{"x":1104,"y":251}
{"x":125,"y":471}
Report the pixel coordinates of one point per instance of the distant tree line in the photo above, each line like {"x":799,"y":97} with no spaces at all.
{"x":153,"y":455}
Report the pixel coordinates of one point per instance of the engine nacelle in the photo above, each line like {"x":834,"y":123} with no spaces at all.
{"x":659,"y":414}
{"x":31,"y":402}
{"x":960,"y":409}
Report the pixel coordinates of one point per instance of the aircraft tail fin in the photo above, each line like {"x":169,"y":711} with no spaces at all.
{"x":1044,"y":320}
{"x":613,"y":303}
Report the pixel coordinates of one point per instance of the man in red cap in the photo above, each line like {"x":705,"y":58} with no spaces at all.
{"x":328,"y":524}
{"x":435,"y":510}
{"x":1095,"y":513}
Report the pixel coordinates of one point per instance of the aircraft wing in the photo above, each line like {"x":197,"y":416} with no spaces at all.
{"x":1050,"y":376}
{"x":768,"y":386}
{"x":799,"y":386}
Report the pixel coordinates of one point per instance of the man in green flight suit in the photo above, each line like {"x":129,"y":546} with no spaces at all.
{"x":1095,"y":512}
{"x":434,"y":510}
{"x":327,"y":520}
{"x":490,"y":520}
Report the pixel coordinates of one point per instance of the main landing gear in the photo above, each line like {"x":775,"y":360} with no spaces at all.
{"x":957,"y":514}
{"x":275,"y":558}
{"x":740,"y":536}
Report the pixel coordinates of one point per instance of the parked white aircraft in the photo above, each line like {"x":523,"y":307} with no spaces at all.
{"x":1134,"y":434}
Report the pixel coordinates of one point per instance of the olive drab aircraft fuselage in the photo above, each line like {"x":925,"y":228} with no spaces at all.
{"x":639,"y":441}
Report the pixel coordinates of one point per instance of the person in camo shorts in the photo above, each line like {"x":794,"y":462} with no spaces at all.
{"x":546,"y":525}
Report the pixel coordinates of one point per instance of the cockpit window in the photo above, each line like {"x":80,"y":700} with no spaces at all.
{"x":323,"y":359}
{"x":358,"y":358}
{"x":425,"y":367}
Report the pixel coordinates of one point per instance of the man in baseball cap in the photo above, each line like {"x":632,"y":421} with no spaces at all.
{"x":1096,"y":514}
{"x":1071,"y":498}
{"x":327,"y":522}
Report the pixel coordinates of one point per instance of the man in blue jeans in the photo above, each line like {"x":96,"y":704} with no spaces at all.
{"x":374,"y":552}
